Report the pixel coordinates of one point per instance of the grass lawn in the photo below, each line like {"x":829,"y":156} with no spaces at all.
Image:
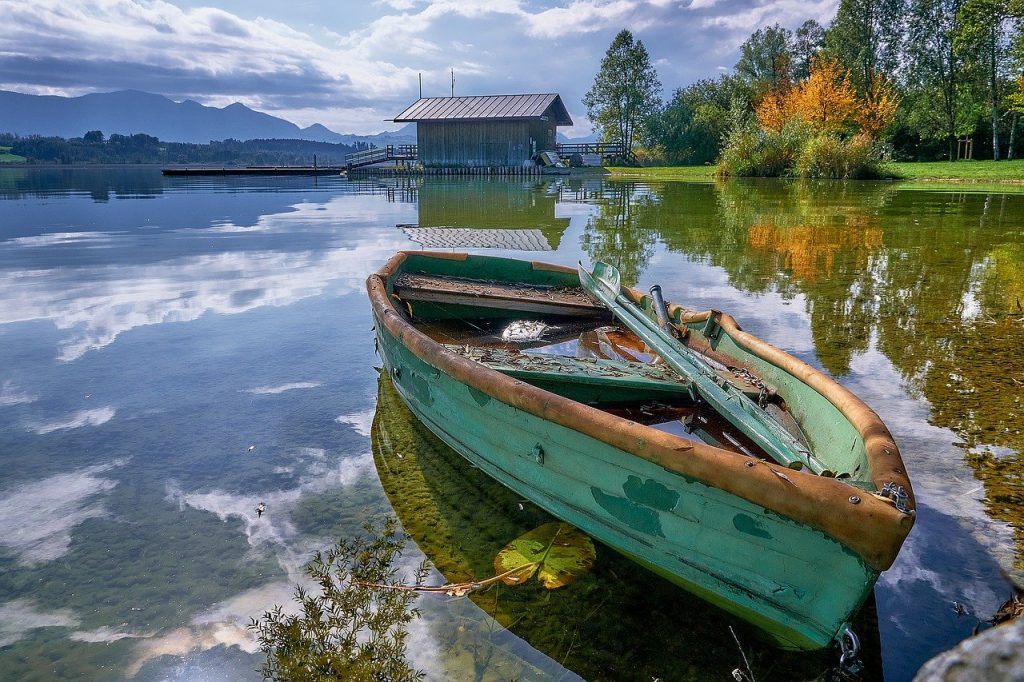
{"x":989,"y":173}
{"x":962,"y":171}
{"x":7,"y":157}
{"x":695,"y":173}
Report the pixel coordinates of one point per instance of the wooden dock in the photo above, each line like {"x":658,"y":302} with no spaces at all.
{"x":416,"y":170}
{"x":391,"y":152}
{"x":255,"y":170}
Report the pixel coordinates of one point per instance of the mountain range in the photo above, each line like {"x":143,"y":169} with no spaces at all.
{"x":131,"y":111}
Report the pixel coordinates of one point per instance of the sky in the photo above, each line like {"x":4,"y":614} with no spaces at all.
{"x":352,"y":65}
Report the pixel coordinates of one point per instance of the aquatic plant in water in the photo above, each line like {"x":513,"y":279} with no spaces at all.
{"x":556,"y":552}
{"x":356,"y":628}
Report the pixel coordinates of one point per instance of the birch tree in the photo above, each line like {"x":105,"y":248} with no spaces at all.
{"x":982,"y":39}
{"x":937,"y":72}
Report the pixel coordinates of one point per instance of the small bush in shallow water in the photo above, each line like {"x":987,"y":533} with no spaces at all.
{"x":356,"y":628}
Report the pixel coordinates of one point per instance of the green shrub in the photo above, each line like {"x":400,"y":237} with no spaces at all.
{"x":822,"y":157}
{"x":652,"y":155}
{"x":753,"y":152}
{"x":864,"y":159}
{"x":827,"y":156}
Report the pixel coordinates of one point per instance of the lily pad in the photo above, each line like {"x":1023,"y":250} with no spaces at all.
{"x":557,"y":552}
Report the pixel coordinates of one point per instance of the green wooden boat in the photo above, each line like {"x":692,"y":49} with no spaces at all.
{"x":460,"y":519}
{"x":520,"y":370}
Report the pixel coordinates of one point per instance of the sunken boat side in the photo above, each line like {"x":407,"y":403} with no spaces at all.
{"x":787,"y":550}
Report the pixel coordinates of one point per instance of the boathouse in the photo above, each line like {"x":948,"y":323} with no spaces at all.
{"x":484,"y":131}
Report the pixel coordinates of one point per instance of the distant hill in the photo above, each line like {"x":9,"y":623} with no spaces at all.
{"x":130,"y":111}
{"x":592,"y":137}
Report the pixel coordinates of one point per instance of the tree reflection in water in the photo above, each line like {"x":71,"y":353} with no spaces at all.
{"x":934,"y":281}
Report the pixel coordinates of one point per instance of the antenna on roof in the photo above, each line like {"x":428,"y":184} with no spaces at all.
{"x":421,"y":85}
{"x":453,"y":82}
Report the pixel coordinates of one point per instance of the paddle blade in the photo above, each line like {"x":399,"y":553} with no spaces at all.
{"x":608,"y":275}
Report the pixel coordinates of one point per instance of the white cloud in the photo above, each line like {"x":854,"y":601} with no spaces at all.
{"x":56,"y":238}
{"x":226,"y":623}
{"x":587,"y":16}
{"x":103,"y":635}
{"x":788,"y":13}
{"x":10,"y":395}
{"x":37,"y":518}
{"x":939,"y":475}
{"x":94,"y":417}
{"x":274,"y":528}
{"x":185,"y":53}
{"x":198,"y":637}
{"x":360,"y":421}
{"x":354,"y":77}
{"x":93,"y":305}
{"x":274,"y":390}
{"x":400,"y":5}
{"x":21,"y":615}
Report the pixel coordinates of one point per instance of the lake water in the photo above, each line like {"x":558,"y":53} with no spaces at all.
{"x":152,"y":331}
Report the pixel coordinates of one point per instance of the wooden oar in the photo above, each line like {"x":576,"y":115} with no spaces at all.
{"x":728,"y":400}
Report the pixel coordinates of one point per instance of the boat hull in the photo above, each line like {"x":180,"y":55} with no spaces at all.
{"x":792,"y":581}
{"x":793,"y":553}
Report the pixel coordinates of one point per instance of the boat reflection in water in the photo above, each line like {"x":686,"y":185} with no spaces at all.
{"x":618,"y":621}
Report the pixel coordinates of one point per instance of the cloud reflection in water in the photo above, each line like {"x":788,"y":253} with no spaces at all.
{"x":95,"y":302}
{"x":37,"y":518}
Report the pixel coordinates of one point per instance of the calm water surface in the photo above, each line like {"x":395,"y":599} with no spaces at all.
{"x":152,"y":330}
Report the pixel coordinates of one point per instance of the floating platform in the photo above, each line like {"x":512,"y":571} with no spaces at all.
{"x":257,"y":170}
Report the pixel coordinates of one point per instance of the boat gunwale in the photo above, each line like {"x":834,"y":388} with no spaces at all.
{"x":884,"y":460}
{"x":871,"y":527}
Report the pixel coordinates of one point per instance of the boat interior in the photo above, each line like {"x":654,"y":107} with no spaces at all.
{"x":558,"y":339}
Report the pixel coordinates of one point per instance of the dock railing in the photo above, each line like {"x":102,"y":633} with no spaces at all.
{"x":391,"y":152}
{"x":604,"y":149}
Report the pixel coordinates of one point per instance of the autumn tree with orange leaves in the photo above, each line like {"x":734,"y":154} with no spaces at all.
{"x":878,"y":107}
{"x":828,"y":104}
{"x":835,"y":135}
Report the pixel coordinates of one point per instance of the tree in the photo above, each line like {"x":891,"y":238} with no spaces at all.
{"x":866,"y":37}
{"x":776,"y":108}
{"x":982,"y":39}
{"x":357,"y":626}
{"x":827,"y":100}
{"x":878,"y":107}
{"x":691,"y":128}
{"x":805,"y":46}
{"x":765,"y":59}
{"x":936,"y":70}
{"x":93,"y":136}
{"x":626,"y":91}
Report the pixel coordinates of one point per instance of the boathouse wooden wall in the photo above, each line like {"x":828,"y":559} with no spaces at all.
{"x":496,"y":143}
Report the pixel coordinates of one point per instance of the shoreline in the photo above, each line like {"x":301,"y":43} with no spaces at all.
{"x":935,"y":175}
{"x":967,"y":174}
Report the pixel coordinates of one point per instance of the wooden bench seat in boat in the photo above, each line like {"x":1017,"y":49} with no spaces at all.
{"x":545,"y":300}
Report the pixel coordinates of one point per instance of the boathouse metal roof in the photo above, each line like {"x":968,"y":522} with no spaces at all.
{"x":487,"y":107}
